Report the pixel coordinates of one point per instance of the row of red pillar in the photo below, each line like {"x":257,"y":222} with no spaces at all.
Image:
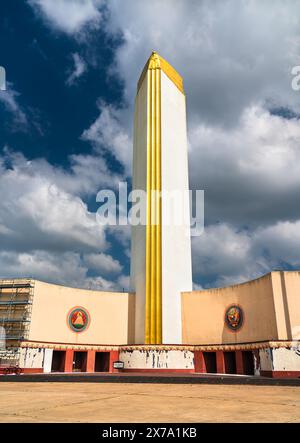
{"x":200,"y":363}
{"x":90,"y":364}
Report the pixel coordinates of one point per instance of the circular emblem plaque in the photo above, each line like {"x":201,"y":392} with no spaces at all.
{"x":78,"y":319}
{"x":234,"y":317}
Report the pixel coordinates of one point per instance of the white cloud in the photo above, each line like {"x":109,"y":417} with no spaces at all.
{"x":102,"y":263}
{"x":46,"y":229}
{"x":123,"y":283}
{"x":87,"y":173}
{"x":108,"y":133}
{"x":281,"y":241}
{"x":9,"y":100}
{"x":101,"y":284}
{"x":66,"y":269}
{"x":40,"y":213}
{"x":225,"y":254}
{"x":250,"y":172}
{"x":246,"y":159}
{"x":240,"y":152}
{"x":70,"y":16}
{"x":222,"y":254}
{"x":197,"y":287}
{"x":224,"y":50}
{"x":78,"y":70}
{"x":47,"y":266}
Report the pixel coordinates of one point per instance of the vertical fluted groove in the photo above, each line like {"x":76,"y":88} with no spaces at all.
{"x":153,"y":207}
{"x":158,"y":204}
{"x":148,"y":226}
{"x":153,"y":314}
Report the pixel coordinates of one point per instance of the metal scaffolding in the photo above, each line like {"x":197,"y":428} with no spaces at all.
{"x":16,"y":297}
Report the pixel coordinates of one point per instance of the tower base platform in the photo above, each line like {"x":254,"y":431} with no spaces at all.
{"x":276,"y":359}
{"x":166,"y":378}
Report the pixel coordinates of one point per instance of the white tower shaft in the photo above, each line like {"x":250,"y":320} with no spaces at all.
{"x":161,"y":250}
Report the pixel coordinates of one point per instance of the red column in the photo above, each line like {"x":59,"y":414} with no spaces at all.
{"x":239,"y":362}
{"x":114,"y":356}
{"x":90,"y":364}
{"x":199,"y":362}
{"x":69,"y":360}
{"x":220,"y":362}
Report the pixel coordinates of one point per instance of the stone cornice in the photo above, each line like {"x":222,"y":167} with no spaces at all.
{"x":206,"y":348}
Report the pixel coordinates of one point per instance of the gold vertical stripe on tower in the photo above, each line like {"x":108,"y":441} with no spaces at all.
{"x":153,"y":314}
{"x":148,"y":226}
{"x":158,"y":204}
{"x":153,"y":207}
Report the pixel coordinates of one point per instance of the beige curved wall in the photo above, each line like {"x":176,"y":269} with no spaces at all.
{"x":271,"y":306}
{"x":112,"y":315}
{"x":291,"y":290}
{"x":203,"y":312}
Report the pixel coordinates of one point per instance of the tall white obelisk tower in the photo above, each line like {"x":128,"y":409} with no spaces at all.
{"x":161,"y":251}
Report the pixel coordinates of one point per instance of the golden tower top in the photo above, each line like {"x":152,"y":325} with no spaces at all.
{"x":155,"y":61}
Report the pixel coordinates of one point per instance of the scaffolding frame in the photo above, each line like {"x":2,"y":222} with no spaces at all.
{"x":16,"y":299}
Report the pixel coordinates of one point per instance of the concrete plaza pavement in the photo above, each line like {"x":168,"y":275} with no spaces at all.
{"x":135,"y":402}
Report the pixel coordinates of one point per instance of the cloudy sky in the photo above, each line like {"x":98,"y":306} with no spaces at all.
{"x":66,"y":132}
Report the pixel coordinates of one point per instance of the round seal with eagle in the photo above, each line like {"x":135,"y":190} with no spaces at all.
{"x":78,"y":319}
{"x":234,"y":317}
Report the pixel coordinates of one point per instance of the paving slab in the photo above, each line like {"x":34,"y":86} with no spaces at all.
{"x":143,"y":402}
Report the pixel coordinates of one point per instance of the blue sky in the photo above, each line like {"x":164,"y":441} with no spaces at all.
{"x":37,"y":61}
{"x":66,"y":132}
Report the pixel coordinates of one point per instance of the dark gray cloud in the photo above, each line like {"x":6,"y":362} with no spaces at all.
{"x":46,"y":229}
{"x":236,"y":59}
